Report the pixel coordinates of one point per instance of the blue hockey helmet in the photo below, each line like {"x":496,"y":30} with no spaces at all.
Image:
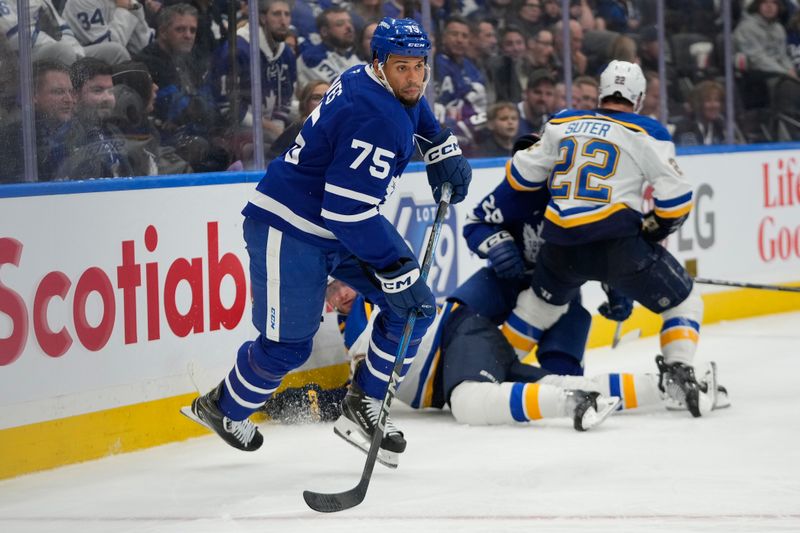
{"x":402,"y":37}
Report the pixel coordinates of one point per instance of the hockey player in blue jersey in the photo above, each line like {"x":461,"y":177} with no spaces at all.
{"x":595,"y":165}
{"x":316,"y":213}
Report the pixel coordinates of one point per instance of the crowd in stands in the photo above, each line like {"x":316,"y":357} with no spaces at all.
{"x":123,"y":88}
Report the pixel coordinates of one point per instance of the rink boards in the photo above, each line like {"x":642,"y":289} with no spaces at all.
{"x":120,"y":298}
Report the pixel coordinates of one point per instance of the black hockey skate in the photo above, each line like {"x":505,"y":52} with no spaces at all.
{"x":678,"y":382}
{"x":243,"y":435}
{"x":707,"y":382}
{"x":358,"y":422}
{"x":589,"y":409}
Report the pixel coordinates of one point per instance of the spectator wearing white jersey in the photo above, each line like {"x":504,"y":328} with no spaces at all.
{"x":100,"y":22}
{"x":336,"y":52}
{"x":51,"y":36}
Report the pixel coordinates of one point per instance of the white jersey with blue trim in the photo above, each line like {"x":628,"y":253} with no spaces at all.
{"x":326,"y":189}
{"x":596,"y":165}
{"x":417,"y":388}
{"x":97,"y":21}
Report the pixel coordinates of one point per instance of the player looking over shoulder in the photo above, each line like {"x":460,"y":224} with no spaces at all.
{"x":316,"y":213}
{"x":595,"y":164}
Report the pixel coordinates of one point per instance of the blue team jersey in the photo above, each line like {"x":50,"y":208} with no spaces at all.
{"x":520,"y":214}
{"x":326,"y":189}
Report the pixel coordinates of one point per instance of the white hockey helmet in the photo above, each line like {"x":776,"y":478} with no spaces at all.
{"x":623,"y":79}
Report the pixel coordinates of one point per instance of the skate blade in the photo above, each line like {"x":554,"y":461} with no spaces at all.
{"x":606,"y":407}
{"x":353,"y":436}
{"x":188,"y":413}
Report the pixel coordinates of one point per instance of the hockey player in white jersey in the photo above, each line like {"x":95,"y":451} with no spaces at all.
{"x":316,"y":213}
{"x":596,"y":164}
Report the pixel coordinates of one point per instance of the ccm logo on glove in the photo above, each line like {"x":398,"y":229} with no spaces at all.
{"x":448,"y":148}
{"x":398,"y":284}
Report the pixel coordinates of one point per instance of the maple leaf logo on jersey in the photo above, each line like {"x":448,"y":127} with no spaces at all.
{"x":532,"y":241}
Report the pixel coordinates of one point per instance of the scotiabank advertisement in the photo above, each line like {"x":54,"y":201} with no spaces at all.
{"x":114,"y":298}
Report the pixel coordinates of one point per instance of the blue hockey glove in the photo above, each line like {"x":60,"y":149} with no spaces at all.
{"x":405,"y":289}
{"x":618,"y":307}
{"x":656,"y":229}
{"x":504,"y":256}
{"x":445,"y":163}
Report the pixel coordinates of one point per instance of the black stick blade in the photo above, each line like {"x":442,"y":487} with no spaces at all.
{"x":332,"y":503}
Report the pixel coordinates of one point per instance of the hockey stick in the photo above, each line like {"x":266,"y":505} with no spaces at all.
{"x":707,"y":281}
{"x":617,"y":335}
{"x":339,"y":501}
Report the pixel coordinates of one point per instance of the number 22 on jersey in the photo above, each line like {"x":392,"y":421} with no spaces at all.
{"x":597,"y":160}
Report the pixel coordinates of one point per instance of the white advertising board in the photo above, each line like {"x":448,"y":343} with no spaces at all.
{"x":110,"y":298}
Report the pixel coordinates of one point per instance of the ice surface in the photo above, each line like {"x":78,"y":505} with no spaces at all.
{"x":735,"y":470}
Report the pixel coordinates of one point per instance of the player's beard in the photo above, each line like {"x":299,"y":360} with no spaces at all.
{"x":408,"y":102}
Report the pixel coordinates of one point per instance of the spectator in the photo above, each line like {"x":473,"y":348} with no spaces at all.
{"x":365,"y":12}
{"x":623,"y":48}
{"x":9,"y":82}
{"x":706,"y":123}
{"x":534,"y":109}
{"x":51,"y":36}
{"x":278,"y":72}
{"x":483,"y":50}
{"x":89,"y":145}
{"x":184,"y":108}
{"x":579,"y":60}
{"x":649,"y":51}
{"x":335,"y":53}
{"x":304,"y":19}
{"x":364,"y":52}
{"x":588,"y":92}
{"x":528,"y":16}
{"x":652,"y":100}
{"x":619,"y":15}
{"x":499,"y":10}
{"x":552,"y":12}
{"x":209,"y":21}
{"x":509,"y":71}
{"x":134,"y":102}
{"x":95,"y":22}
{"x":541,"y":51}
{"x":582,"y":11}
{"x":696,"y":16}
{"x":560,"y":99}
{"x":502,"y":127}
{"x":310,"y":96}
{"x":53,"y":106}
{"x":460,"y":87}
{"x":793,"y":40}
{"x":762,"y":39}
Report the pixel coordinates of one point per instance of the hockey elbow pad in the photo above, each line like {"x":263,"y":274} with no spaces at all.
{"x":445,"y":163}
{"x":656,"y":228}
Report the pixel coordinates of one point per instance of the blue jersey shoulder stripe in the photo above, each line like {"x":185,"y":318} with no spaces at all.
{"x":672,"y":202}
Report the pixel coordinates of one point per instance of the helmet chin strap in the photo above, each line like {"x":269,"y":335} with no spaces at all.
{"x":385,"y":82}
